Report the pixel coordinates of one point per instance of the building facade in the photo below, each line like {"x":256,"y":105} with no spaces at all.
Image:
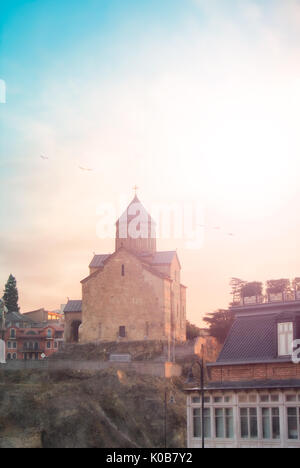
{"x":252,"y":392}
{"x":134,"y":294}
{"x":28,"y":340}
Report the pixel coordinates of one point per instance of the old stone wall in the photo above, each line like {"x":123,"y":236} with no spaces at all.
{"x":134,"y":300}
{"x":158,"y":369}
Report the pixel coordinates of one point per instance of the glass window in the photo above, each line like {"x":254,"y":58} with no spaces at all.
{"x":285,"y":338}
{"x":195,"y":399}
{"x":219,"y":422}
{"x":224,"y":423}
{"x":218,"y":399}
{"x":197,"y":423}
{"x":49,"y":333}
{"x":229,"y":423}
{"x":122,"y":332}
{"x":14,"y":345}
{"x":293,"y":415}
{"x":291,"y":398}
{"x":9,"y":345}
{"x":248,"y":421}
{"x":242,"y":398}
{"x":271,"y":423}
{"x":264,"y":398}
{"x":274,"y":398}
{"x":48,"y":345}
{"x":253,"y":398}
{"x":12,"y":333}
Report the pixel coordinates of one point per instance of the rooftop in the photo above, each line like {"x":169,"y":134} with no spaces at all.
{"x":73,"y":306}
{"x":253,"y":336}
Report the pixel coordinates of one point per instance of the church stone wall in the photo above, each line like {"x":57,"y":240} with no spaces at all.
{"x":134,"y":301}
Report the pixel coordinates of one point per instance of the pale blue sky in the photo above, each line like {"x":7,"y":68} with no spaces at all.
{"x":193,"y":100}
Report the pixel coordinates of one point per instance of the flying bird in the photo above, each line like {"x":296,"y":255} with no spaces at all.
{"x":85,"y":169}
{"x":44,"y":157}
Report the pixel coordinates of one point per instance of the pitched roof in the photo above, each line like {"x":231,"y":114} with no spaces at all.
{"x":161,"y":258}
{"x":98,"y":260}
{"x":17,"y":317}
{"x":146,"y":264}
{"x":252,"y":338}
{"x":73,"y":306}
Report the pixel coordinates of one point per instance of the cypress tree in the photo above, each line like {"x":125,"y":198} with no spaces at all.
{"x":11,"y":295}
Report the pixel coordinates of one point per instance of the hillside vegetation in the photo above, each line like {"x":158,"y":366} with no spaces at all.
{"x":104,"y":409}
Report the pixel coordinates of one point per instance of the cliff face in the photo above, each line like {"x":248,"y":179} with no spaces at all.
{"x":107,"y":409}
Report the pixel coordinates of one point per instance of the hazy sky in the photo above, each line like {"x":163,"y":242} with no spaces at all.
{"x":196,"y":101}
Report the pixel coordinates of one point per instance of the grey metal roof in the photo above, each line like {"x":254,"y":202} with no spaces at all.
{"x":251,"y":339}
{"x":99,"y":260}
{"x":73,"y":306}
{"x":161,"y":258}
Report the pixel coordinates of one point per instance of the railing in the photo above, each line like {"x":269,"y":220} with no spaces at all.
{"x":290,"y":296}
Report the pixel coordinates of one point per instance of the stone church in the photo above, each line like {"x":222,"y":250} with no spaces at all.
{"x":134,"y":294}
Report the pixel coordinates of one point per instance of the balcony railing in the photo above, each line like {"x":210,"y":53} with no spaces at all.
{"x":289,"y":296}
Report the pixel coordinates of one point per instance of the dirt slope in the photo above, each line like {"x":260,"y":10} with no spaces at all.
{"x":89,"y":409}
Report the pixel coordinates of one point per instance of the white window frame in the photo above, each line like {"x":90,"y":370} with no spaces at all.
{"x":249,"y":408}
{"x":298,"y":422}
{"x":285,"y":337}
{"x":270,"y":408}
{"x":224,"y":417}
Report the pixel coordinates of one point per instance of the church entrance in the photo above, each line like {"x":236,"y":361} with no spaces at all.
{"x":75,"y":331}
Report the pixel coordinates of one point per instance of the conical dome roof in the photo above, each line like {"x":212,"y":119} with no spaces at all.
{"x":135,"y":229}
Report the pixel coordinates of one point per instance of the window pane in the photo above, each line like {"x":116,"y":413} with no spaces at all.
{"x":275,"y":423}
{"x":196,"y":399}
{"x":196,"y":422}
{"x":292,"y":423}
{"x":266,"y":423}
{"x":229,"y":423}
{"x":291,"y":398}
{"x":207,"y":425}
{"x":219,"y":421}
{"x":242,"y":398}
{"x":244,"y":423}
{"x":264,"y":398}
{"x":218,"y":399}
{"x":253,"y":423}
{"x":275,"y":398}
